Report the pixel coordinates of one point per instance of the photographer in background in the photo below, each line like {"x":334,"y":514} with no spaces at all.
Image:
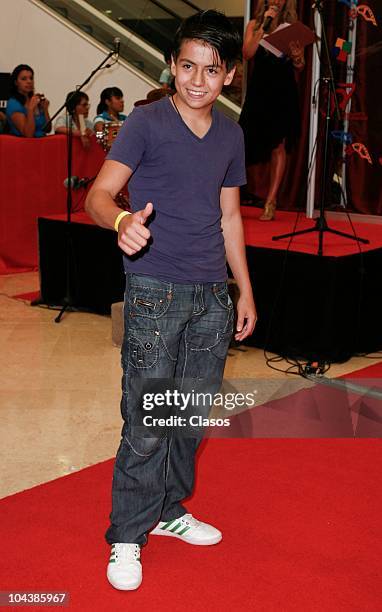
{"x":27,"y":112}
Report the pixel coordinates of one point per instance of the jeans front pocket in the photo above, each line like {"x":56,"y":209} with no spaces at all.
{"x":222,"y":296}
{"x":151,"y":303}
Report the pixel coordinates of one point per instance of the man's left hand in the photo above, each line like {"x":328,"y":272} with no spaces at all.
{"x":246,"y":317}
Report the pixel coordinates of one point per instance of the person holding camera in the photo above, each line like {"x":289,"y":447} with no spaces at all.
{"x":76,"y":119}
{"x":27,"y":111}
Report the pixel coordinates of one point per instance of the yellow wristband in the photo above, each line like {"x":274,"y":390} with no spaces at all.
{"x":119,"y":219}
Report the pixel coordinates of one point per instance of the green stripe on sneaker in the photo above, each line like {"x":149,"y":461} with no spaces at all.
{"x":168,"y":524}
{"x":176,"y":527}
{"x":182,"y":531}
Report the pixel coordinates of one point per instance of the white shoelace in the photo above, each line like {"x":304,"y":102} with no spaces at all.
{"x":190,"y":521}
{"x":126,"y":553}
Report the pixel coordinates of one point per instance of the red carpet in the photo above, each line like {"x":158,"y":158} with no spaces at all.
{"x":259,"y":234}
{"x":30,"y":296}
{"x":372,"y":371}
{"x":328,"y":409}
{"x":301,"y":522}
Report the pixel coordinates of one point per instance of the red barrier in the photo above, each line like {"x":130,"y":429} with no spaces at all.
{"x":32,"y":174}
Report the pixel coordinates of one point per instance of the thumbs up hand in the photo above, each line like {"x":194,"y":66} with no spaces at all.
{"x":132,"y":233}
{"x":144,"y":214}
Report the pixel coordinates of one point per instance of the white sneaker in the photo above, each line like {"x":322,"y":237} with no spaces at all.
{"x":124,"y":571}
{"x":189,"y":529}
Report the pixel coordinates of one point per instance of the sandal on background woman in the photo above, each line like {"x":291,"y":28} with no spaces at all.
{"x":269,"y":211}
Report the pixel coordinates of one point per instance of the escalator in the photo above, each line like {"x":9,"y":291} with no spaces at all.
{"x":146,"y":30}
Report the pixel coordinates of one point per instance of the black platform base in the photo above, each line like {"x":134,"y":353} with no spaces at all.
{"x":94,"y":278}
{"x":317,"y":308}
{"x":310,"y":307}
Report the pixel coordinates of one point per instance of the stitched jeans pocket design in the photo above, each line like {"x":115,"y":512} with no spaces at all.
{"x":143,"y":350}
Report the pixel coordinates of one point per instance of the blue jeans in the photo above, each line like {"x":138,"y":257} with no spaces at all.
{"x":173,"y":332}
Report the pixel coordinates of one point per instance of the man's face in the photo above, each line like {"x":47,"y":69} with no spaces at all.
{"x":199,"y":74}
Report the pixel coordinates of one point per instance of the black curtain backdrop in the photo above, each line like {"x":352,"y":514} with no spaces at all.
{"x":364,"y":179}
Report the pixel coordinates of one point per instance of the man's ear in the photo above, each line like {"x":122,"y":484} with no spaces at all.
{"x":229,"y":77}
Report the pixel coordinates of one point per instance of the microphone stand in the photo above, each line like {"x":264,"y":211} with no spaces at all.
{"x":321,"y":225}
{"x":86,"y":81}
{"x":68,"y":299}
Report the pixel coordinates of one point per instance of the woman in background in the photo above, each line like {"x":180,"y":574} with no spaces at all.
{"x":27,"y":112}
{"x":110,"y":108}
{"x":270,"y":116}
{"x":77,"y":104}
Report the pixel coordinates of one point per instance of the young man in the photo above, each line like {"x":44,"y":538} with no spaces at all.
{"x":184,"y":162}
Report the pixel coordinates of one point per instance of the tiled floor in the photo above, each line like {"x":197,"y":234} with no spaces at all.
{"x":59,"y":393}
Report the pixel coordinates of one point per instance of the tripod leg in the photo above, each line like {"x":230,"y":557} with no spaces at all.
{"x":305,"y":231}
{"x":344,"y":235}
{"x":58,"y":318}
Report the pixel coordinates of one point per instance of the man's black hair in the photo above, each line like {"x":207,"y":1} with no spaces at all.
{"x":215,"y":30}
{"x":167,"y":54}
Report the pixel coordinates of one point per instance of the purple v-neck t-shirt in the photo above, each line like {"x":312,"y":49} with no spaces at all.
{"x":182,"y":175}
